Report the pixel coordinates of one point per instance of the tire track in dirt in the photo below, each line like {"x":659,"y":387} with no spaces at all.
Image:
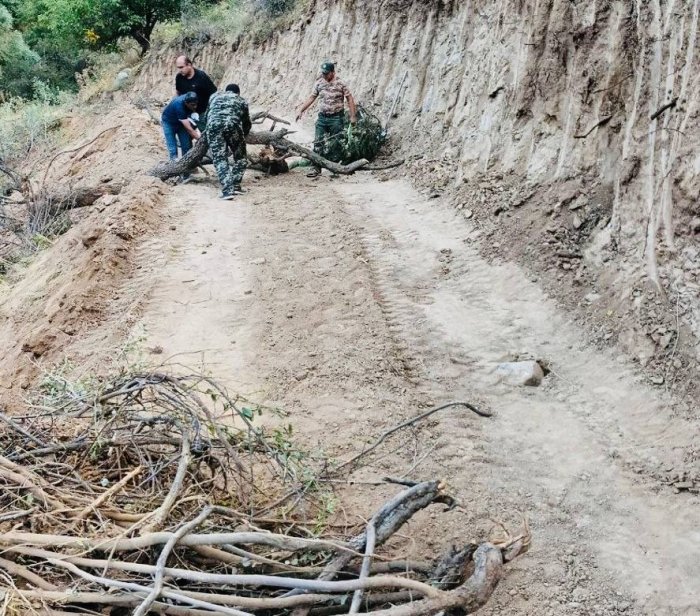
{"x":315,"y":296}
{"x":604,"y":537}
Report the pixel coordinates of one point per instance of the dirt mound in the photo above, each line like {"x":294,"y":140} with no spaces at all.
{"x":65,"y":291}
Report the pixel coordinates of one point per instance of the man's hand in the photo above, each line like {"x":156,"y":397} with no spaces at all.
{"x":301,"y":113}
{"x":353,"y":120}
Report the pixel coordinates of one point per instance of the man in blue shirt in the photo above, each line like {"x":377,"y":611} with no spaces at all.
{"x":177,"y":126}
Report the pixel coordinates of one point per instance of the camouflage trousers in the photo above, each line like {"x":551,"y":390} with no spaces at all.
{"x":327,"y":138}
{"x":223,"y":138}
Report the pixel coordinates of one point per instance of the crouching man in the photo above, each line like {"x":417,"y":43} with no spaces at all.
{"x":176,"y":124}
{"x":228,"y":123}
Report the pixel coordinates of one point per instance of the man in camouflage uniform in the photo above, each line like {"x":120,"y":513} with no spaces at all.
{"x":330,"y":123}
{"x":228,"y":123}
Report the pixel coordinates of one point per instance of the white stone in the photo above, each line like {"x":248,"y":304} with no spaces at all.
{"x":521,"y":373}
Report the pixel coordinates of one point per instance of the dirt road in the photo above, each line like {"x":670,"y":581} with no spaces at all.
{"x":353,"y":303}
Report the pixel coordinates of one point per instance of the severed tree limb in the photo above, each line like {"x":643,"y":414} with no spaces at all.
{"x":143,"y":609}
{"x":282,"y":542}
{"x":469,"y":597}
{"x":29,"y":576}
{"x":371,"y":538}
{"x":217,"y":555}
{"x":162,"y":512}
{"x":259,"y":116}
{"x":109,"y":493}
{"x":322,"y":586}
{"x":383,"y":166}
{"x":193,"y":158}
{"x":22,"y":478}
{"x":15,"y":426}
{"x":387,"y":521}
{"x":133,"y":599}
{"x":106,"y":599}
{"x":407,"y":423}
{"x":72,"y":198}
{"x":319,"y":160}
{"x":450,"y":569}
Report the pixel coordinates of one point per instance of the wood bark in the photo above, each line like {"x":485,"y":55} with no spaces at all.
{"x":276,"y":139}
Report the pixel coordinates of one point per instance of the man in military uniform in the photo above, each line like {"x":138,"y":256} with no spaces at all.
{"x":228,"y":123}
{"x":330,"y":123}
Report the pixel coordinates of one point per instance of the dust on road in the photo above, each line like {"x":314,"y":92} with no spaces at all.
{"x":353,"y":303}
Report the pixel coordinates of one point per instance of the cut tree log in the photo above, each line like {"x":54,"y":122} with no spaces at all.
{"x":276,"y":139}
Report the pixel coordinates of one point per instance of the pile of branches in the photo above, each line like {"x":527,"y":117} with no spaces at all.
{"x":158,"y":495}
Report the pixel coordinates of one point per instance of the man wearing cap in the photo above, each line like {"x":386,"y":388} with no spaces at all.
{"x":175,"y":120}
{"x":330,"y":123}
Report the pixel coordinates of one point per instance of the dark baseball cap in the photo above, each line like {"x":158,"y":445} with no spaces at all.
{"x":327,"y":67}
{"x":191,"y":97}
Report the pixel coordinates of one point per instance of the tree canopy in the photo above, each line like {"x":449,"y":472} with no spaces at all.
{"x":96,"y":23}
{"x":16,"y":58}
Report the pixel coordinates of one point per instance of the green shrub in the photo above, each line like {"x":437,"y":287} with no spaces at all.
{"x":220,"y":21}
{"x":275,"y":8}
{"x":28,"y":125}
{"x":365,"y":138}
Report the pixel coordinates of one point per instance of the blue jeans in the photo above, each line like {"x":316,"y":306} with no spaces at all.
{"x":173,"y":133}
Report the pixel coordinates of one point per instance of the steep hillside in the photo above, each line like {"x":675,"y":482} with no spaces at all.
{"x":567,"y":130}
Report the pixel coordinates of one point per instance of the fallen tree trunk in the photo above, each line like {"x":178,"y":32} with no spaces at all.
{"x":275,"y":139}
{"x":70,"y":198}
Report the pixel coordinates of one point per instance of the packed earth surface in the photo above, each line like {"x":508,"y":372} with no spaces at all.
{"x":351,"y":304}
{"x":354,"y":303}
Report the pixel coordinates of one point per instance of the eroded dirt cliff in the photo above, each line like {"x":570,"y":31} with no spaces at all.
{"x":567,"y":130}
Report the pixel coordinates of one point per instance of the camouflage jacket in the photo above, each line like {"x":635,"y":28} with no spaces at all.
{"x":228,"y":108}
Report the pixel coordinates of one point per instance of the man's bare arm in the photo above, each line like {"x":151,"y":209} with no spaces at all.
{"x":194,"y":133}
{"x":353,"y":109}
{"x":306,"y":105}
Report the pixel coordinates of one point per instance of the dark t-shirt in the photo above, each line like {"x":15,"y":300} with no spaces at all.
{"x":175,"y":111}
{"x":200,"y":83}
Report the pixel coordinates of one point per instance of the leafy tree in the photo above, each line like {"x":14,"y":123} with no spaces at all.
{"x":133,"y":18}
{"x":85,"y":24}
{"x":16,"y":58}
